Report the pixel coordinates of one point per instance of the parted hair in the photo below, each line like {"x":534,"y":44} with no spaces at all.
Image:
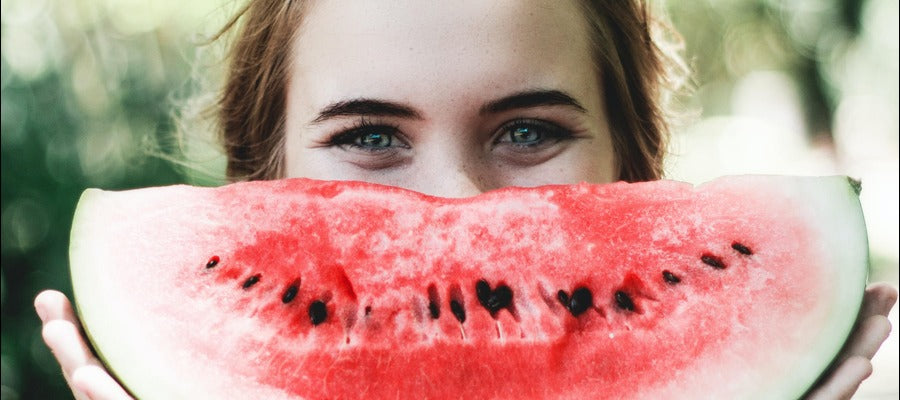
{"x":632,"y":49}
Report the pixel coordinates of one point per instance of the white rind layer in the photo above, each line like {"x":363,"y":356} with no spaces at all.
{"x":842,"y":241}
{"x":96,"y":211}
{"x":845,"y":243}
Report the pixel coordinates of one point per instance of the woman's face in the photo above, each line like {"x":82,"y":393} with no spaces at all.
{"x":447,"y":98}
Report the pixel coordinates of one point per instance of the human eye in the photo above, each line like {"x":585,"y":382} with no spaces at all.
{"x":369,"y":137}
{"x":530,"y":134}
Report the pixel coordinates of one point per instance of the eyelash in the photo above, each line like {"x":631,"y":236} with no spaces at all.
{"x":549,"y":132}
{"x":349,"y":136}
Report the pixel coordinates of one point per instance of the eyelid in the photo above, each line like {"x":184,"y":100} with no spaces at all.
{"x":553,"y":130}
{"x":347,"y":136}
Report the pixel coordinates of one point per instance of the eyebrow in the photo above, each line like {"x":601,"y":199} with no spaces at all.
{"x":366,"y":107}
{"x":532,"y":98}
{"x":373,"y":107}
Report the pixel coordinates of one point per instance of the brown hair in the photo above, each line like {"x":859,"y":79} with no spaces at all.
{"x":251,"y":108}
{"x":635,"y":71}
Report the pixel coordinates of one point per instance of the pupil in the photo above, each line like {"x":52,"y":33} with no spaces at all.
{"x":376,"y":140}
{"x":524,"y":135}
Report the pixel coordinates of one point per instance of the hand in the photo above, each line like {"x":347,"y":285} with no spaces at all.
{"x":854,"y":362}
{"x":62,"y":332}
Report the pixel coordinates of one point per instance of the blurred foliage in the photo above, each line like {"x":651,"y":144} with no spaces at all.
{"x":805,"y":87}
{"x":85,"y":99}
{"x":803,"y":38}
{"x":87,"y":94}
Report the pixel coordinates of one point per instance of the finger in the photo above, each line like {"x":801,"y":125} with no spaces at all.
{"x":51,"y":305}
{"x":97,"y":384}
{"x":868,"y":337}
{"x":844,"y":381}
{"x":65,"y":340}
{"x":878,"y":300}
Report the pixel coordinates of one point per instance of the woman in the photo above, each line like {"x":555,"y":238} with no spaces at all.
{"x":450,"y":99}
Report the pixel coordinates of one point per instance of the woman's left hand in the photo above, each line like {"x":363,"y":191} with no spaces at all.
{"x":871,"y":330}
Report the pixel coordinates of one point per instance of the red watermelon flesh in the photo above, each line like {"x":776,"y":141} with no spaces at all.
{"x":744,"y":287}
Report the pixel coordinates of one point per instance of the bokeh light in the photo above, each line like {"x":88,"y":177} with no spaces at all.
{"x":804,"y":87}
{"x":90,"y":87}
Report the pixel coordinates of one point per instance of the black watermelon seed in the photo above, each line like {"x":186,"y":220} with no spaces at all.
{"x":213,"y":261}
{"x":368,"y":310}
{"x":434,"y":302}
{"x":712,"y":261}
{"x":581,"y":301}
{"x":458,"y":311}
{"x":434,"y":310}
{"x":741,"y":248}
{"x":493,"y":300}
{"x":318,"y":312}
{"x":670,"y":278}
{"x":251,"y":281}
{"x":502,"y":298}
{"x":289,"y":294}
{"x":623,"y":300}
{"x":563,"y":298}
{"x":482,"y":290}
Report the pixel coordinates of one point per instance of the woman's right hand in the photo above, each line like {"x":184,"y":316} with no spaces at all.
{"x":62,"y":332}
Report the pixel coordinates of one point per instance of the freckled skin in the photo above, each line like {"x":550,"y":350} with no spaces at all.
{"x":401,"y":54}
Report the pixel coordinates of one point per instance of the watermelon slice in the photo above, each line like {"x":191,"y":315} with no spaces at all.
{"x":744,"y":287}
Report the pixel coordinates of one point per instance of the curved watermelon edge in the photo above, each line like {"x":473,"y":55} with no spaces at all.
{"x":87,"y":203}
{"x":847,"y":304}
{"x":850,"y":247}
{"x":96,"y":327}
{"x":843,"y":243}
{"x":852,"y":189}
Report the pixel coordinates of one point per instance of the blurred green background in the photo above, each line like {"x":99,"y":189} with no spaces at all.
{"x":89,"y":88}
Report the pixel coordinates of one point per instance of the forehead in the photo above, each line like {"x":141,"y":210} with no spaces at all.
{"x":405,"y":50}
